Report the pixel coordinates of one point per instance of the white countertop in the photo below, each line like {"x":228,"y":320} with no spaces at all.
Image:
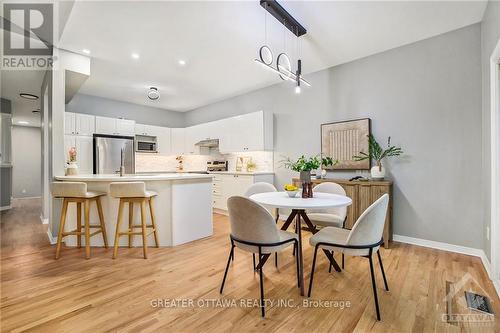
{"x":255,"y":173}
{"x":127,"y":178}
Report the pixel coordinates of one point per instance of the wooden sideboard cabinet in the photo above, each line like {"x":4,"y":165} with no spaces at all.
{"x":363,"y":194}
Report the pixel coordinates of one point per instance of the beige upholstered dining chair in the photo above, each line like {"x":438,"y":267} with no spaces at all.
{"x":363,"y":240}
{"x":331,"y":217}
{"x":262,"y":187}
{"x":253,"y":230}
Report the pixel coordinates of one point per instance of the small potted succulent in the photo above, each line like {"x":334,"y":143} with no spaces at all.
{"x":305,"y":165}
{"x":377,"y":154}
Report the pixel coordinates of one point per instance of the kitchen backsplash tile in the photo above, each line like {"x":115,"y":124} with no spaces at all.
{"x":158,"y":163}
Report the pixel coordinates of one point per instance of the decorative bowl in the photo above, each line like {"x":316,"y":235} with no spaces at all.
{"x":292,"y":194}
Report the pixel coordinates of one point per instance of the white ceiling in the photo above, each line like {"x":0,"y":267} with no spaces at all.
{"x":219,"y":41}
{"x":14,"y":82}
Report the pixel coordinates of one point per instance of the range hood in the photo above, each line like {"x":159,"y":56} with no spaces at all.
{"x":209,"y":143}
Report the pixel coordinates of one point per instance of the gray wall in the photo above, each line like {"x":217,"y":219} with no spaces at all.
{"x":427,"y":96}
{"x":110,"y":108}
{"x":490,"y":35}
{"x":26,"y":162}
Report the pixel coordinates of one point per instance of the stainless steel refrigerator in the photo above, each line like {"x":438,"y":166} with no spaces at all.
{"x":110,"y":150}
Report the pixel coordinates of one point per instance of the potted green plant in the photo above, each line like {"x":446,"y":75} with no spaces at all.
{"x":304,"y":165}
{"x":376,"y":153}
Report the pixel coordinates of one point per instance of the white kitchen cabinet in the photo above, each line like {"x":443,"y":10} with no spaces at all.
{"x":84,"y":124}
{"x":105,"y":125}
{"x":192,"y":136}
{"x":125,"y":127}
{"x":69,"y":123}
{"x":84,"y":151}
{"x":84,"y":146}
{"x":78,"y":124}
{"x":69,"y":142}
{"x":248,"y":132}
{"x":113,"y":126}
{"x":140,"y":129}
{"x":225,"y":186}
{"x":162,"y":135}
{"x":178,"y":140}
{"x":207,"y":131}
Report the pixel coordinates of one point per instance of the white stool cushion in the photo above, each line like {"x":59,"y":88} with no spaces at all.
{"x":130,"y":190}
{"x":73,"y":190}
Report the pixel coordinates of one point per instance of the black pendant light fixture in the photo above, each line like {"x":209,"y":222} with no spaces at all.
{"x":283,"y":66}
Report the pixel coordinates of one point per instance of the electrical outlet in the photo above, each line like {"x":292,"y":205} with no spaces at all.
{"x":488,"y":233}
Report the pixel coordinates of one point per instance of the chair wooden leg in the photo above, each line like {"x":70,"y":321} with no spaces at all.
{"x":62,"y":221}
{"x":342,"y":260}
{"x":374,"y":285}
{"x":143,"y":224}
{"x":101,"y":222}
{"x":79,"y":224}
{"x":312,"y":272}
{"x":382,"y":269}
{"x":130,"y":222}
{"x":118,"y":223}
{"x":254,"y":266}
{"x":227,"y":267}
{"x":87,"y":228}
{"x":153,"y":221}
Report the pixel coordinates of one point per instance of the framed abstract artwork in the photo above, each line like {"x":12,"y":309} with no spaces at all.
{"x":344,"y":139}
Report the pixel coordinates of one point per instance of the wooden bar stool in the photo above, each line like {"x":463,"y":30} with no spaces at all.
{"x":77,"y":192}
{"x":134,"y":192}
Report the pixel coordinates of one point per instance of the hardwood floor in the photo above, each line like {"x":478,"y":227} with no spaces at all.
{"x":41,"y":294}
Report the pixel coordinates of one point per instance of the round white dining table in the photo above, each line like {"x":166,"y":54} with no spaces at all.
{"x":299,"y":205}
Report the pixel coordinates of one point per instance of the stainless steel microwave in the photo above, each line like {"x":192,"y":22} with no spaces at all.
{"x":146,"y":144}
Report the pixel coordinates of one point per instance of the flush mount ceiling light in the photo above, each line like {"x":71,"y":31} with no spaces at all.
{"x":181,"y":62}
{"x":86,"y":51}
{"x":135,"y":55}
{"x":29,"y":96}
{"x":283,"y":64}
{"x":153,"y":93}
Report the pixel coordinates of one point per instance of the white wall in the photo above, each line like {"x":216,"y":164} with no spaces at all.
{"x":427,"y":96}
{"x":26,"y":162}
{"x":490,"y":35}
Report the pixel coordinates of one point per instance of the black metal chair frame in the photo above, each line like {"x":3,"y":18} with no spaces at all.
{"x":260,"y":246}
{"x":369,"y":256}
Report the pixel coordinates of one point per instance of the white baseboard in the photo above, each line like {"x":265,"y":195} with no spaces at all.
{"x":439,"y":245}
{"x":26,"y":198}
{"x":497,"y":286}
{"x":5,"y":207}
{"x":52,"y":240}
{"x":453,"y":248}
{"x":44,"y":221}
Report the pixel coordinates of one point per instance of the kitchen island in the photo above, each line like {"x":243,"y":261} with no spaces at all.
{"x":183,"y":207}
